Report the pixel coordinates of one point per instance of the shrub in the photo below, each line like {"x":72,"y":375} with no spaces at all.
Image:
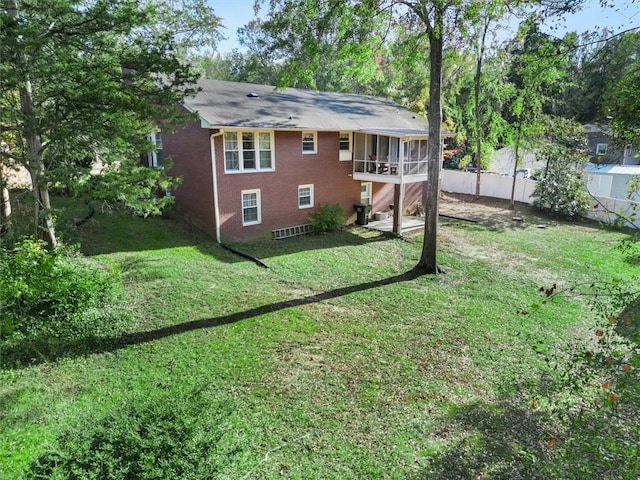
{"x":328,"y":217}
{"x":561,"y":190}
{"x":166,"y":434}
{"x":52,"y":299}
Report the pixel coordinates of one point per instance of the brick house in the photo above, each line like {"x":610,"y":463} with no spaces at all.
{"x":257,"y":161}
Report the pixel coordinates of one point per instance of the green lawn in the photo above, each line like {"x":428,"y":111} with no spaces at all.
{"x":338,"y":361}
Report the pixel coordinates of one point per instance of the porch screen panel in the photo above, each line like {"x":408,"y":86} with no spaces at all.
{"x":383,"y":148}
{"x":394,"y":150}
{"x":423,"y":156}
{"x":406,"y":157}
{"x":406,"y":151}
{"x":415,"y":149}
{"x":359,"y":151}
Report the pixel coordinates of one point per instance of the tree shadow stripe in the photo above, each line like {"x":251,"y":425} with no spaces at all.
{"x":86,"y":346}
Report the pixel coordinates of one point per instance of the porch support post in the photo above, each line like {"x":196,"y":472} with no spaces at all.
{"x":398,"y":200}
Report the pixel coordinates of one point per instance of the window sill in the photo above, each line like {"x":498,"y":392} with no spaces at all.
{"x":263,"y":170}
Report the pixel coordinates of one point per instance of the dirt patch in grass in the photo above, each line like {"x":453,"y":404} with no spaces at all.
{"x":494,"y":213}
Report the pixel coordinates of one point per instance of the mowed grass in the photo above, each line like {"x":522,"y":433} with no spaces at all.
{"x":339,"y":360}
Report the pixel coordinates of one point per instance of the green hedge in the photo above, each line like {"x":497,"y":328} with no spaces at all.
{"x":55,"y":300}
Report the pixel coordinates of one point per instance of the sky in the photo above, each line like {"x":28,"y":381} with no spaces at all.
{"x":234,"y":14}
{"x":621,"y":16}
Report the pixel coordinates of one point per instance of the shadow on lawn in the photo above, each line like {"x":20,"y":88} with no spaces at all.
{"x":348,"y":236}
{"x":503,"y":440}
{"x":578,"y":435}
{"x":629,"y":321}
{"x":510,"y":440}
{"x":42,"y":350}
{"x":118,"y":232}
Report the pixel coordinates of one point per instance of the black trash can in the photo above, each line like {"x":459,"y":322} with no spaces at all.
{"x":362,"y":213}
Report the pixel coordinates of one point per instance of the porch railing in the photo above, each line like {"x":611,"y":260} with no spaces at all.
{"x":379,"y":167}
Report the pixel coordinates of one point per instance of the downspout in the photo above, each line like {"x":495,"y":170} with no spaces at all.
{"x":216,"y":208}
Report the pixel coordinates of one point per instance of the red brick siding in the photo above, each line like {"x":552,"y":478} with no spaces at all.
{"x":190,"y":151}
{"x":279,"y":189}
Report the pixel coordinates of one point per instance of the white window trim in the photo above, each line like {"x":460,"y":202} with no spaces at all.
{"x":258,"y":205}
{"x":256,"y":134}
{"x":604,"y":152}
{"x":346,"y":155}
{"x":152,"y":155}
{"x":315,"y":142}
{"x":369,"y":190}
{"x":310,"y":187}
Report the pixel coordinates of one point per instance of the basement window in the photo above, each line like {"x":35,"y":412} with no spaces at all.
{"x":305,"y":196}
{"x":251,"y":208}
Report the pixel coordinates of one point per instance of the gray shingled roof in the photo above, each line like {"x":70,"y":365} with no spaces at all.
{"x":245,"y":105}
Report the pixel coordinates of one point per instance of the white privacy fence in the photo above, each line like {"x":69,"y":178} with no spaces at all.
{"x":491,"y":185}
{"x":613,"y":210}
{"x":608,"y":210}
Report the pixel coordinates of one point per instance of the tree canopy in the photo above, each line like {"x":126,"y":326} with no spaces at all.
{"x":80,"y":78}
{"x":88,"y":79}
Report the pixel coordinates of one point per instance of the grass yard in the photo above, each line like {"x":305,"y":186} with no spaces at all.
{"x":339,"y":361}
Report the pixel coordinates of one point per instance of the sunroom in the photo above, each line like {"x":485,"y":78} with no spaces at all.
{"x":390,"y":156}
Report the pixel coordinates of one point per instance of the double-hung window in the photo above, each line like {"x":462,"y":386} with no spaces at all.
{"x":309,"y":142}
{"x":154,"y":157}
{"x":265,"y":150}
{"x":345,"y":146}
{"x":251,"y":207}
{"x":248,"y":151}
{"x":305,"y":196}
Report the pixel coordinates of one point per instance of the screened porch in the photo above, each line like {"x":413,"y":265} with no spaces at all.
{"x":389,"y":156}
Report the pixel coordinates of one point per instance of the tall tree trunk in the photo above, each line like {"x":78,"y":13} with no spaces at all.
{"x":43,"y":220}
{"x":398,"y":202}
{"x":515,"y":167}
{"x":477,"y":79}
{"x":431,"y":191}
